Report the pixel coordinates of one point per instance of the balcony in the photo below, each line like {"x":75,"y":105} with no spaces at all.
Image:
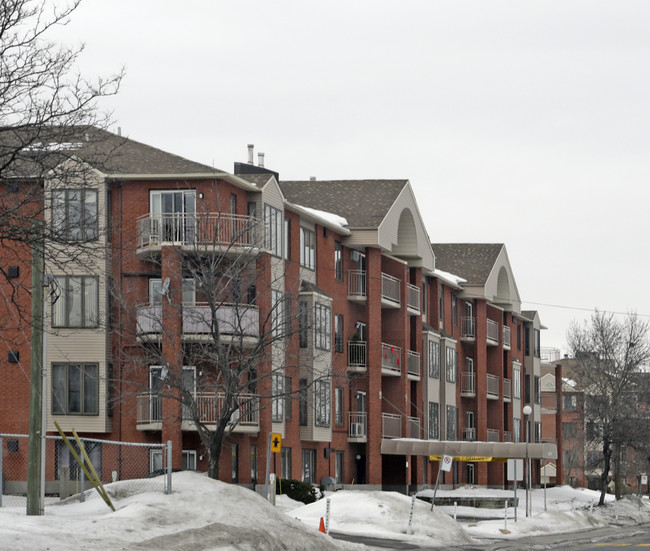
{"x":507,"y":390}
{"x":414,"y":427}
{"x":413,"y":365}
{"x":391,"y":360}
{"x":237,"y":322}
{"x":493,"y":435}
{"x":468,"y":329}
{"x":391,"y":425}
{"x":357,"y":426}
{"x":247,"y":417}
{"x":492,"y":387}
{"x":357,"y":290}
{"x":492,"y":333}
{"x":549,"y":402}
{"x":469,"y":434}
{"x":390,"y":291}
{"x":357,"y":358}
{"x":468,"y":385}
{"x":412,"y":300}
{"x":201,"y":232}
{"x":507,"y":436}
{"x":506,"y":337}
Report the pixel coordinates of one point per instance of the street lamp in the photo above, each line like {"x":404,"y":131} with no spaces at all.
{"x":527,"y":411}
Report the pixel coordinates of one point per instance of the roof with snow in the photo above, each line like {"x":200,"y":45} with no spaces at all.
{"x":472,"y":261}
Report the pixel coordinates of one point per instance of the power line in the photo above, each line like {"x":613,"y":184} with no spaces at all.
{"x":584,"y":309}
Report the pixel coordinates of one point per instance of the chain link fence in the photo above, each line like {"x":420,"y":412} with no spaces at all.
{"x":125,"y":468}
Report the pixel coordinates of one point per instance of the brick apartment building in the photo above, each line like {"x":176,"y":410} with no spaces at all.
{"x":406,"y":340}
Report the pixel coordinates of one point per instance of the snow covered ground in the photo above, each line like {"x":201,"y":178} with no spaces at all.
{"x":203,"y":514}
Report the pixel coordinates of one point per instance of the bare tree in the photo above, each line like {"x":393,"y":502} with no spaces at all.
{"x":241,"y":321}
{"x":610,"y":358}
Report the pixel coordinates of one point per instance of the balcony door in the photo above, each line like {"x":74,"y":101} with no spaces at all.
{"x":173,"y":215}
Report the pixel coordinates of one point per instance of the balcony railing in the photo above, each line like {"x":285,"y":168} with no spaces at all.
{"x":492,"y":332}
{"x":549,"y":401}
{"x":231,"y":319}
{"x":507,"y":389}
{"x":358,"y":425}
{"x":413,"y":298}
{"x":492,"y":387}
{"x":357,"y":289}
{"x":391,"y":359}
{"x":468,"y":328}
{"x":391,"y":425}
{"x":469,"y":434}
{"x":468,"y":384}
{"x":202,"y":229}
{"x":493,"y":435}
{"x":507,"y":436}
{"x":506,"y":337}
{"x":357,"y":356}
{"x":413,"y":363}
{"x":414,"y":427}
{"x":390,"y":290}
{"x":208,"y":406}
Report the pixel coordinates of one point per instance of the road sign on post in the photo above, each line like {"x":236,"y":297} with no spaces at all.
{"x":276,"y":442}
{"x":446,"y":462}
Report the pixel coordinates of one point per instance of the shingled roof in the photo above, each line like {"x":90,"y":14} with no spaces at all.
{"x":364,"y":203}
{"x":472,"y":261}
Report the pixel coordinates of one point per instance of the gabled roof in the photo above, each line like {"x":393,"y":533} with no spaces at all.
{"x":364,"y":203}
{"x":472,"y":261}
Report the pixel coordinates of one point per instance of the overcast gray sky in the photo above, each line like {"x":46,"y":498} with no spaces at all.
{"x":526,"y":123}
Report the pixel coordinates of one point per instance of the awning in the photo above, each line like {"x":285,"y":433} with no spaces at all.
{"x":502,"y":450}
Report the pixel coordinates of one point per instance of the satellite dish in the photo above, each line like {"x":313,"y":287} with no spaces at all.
{"x":164,"y":290}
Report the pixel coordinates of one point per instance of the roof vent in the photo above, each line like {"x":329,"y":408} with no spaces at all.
{"x":260,"y":159}
{"x":250,"y":153}
{"x":312,"y":178}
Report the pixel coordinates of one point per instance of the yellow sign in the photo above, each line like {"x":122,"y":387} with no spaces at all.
{"x":276,"y":442}
{"x":469,"y":458}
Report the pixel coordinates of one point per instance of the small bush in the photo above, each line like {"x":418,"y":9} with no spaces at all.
{"x":295,"y":489}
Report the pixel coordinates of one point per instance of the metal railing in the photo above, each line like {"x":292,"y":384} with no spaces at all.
{"x":493,"y":435}
{"x":358,"y":424}
{"x":492,"y":386}
{"x":390,"y":288}
{"x":468,"y":384}
{"x":391,"y":425}
{"x":413,"y":363}
{"x":492,"y":331}
{"x":391,"y":358}
{"x":469,"y":434}
{"x":357,"y":354}
{"x":507,"y":436}
{"x":204,"y":229}
{"x":414,"y":427}
{"x":467,"y":328}
{"x":413,"y":297}
{"x":357,"y":283}
{"x":506,"y":336}
{"x":507,"y":389}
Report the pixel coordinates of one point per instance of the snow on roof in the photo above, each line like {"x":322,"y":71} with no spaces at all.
{"x":451,"y":278}
{"x":569,"y":382}
{"x":330,"y":217}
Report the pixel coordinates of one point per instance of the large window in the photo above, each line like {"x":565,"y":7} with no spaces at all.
{"x":323,"y":329}
{"x":434,"y":360}
{"x":338,"y":260}
{"x":285,"y":460}
{"x":277,"y":315}
{"x":303,"y":403}
{"x":569,"y":430}
{"x":307,"y":248}
{"x":75,"y":388}
{"x":338,"y":332}
{"x":273,"y":221}
{"x":74,"y":214}
{"x":452,"y":423}
{"x":338,"y":405}
{"x":538,"y":389}
{"x":434,"y":421}
{"x":322,"y":404}
{"x":78,"y":303}
{"x":516,"y":382}
{"x":277,"y":389}
{"x":537,"y":351}
{"x":516,"y":430}
{"x":64,"y":459}
{"x":451,"y":364}
{"x":254,"y":470}
{"x":303,"y":324}
{"x":569,"y":402}
{"x":309,"y":466}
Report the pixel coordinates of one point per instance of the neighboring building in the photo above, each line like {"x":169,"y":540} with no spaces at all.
{"x":421,"y":341}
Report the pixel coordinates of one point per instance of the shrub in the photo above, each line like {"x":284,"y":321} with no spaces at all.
{"x":295,"y":489}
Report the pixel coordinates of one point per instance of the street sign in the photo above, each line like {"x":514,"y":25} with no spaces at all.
{"x":644,"y":479}
{"x":445,"y":464}
{"x":515,"y":469}
{"x":276,"y":442}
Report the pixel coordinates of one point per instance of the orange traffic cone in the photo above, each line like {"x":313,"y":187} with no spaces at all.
{"x":321,"y":528}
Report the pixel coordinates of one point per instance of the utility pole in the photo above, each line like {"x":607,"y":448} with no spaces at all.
{"x":34,"y":463}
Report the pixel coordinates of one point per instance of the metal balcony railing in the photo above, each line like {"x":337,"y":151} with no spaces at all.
{"x":413,"y":297}
{"x":357,"y":284}
{"x":507,"y":436}
{"x":492,"y":332}
{"x":414,"y":427}
{"x":391,"y":358}
{"x":507,"y":389}
{"x":390,"y":289}
{"x":358,"y":424}
{"x":467,"y":328}
{"x":391,"y":425}
{"x":413,"y":363}
{"x":492,"y":386}
{"x":357,"y":354}
{"x":469,"y":434}
{"x":468,"y":384}
{"x":493,"y":435}
{"x":506,"y":336}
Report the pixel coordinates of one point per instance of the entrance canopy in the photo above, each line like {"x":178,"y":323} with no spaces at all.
{"x":496,"y":450}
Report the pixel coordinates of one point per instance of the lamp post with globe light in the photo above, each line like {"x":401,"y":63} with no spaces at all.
{"x":527,"y":411}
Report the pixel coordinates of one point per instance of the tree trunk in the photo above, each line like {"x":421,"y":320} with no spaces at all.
{"x":214,"y":457}
{"x":617,"y":471}
{"x":607,"y":452}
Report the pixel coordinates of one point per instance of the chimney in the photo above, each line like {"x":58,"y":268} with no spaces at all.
{"x":260,"y":159}
{"x":312,"y":178}
{"x":250,"y":153}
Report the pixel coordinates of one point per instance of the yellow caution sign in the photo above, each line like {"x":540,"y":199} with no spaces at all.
{"x":469,"y":458}
{"x":276,"y":442}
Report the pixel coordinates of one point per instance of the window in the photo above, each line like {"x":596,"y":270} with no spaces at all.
{"x":338,"y":467}
{"x":307,"y":248}
{"x":75,"y":389}
{"x":303,"y":323}
{"x":285,"y":461}
{"x":309,"y":466}
{"x":323,"y":327}
{"x":516,"y":430}
{"x":537,"y":351}
{"x":64,"y":459}
{"x":338,"y":332}
{"x":78,"y":304}
{"x":322,"y":404}
{"x":538,"y":389}
{"x":434,"y":360}
{"x":518,"y":336}
{"x":173,"y":216}
{"x":454,"y":311}
{"x":516,"y":382}
{"x":569,"y":402}
{"x":338,"y":405}
{"x":538,"y":432}
{"x":273,"y":226}
{"x":74,"y":214}
{"x":452,"y":364}
{"x":277,"y":316}
{"x":452,"y":423}
{"x":287,"y":239}
{"x":303,"y":408}
{"x":338,"y":260}
{"x":277,"y":389}
{"x":234,"y":463}
{"x":527,"y":388}
{"x":254,"y":470}
{"x":527,"y":341}
{"x":425,"y":301}
{"x":569,"y":430}
{"x":434,"y":421}
{"x":189,"y":292}
{"x":287,"y":398}
{"x":441,"y":306}
{"x":189,"y":460}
